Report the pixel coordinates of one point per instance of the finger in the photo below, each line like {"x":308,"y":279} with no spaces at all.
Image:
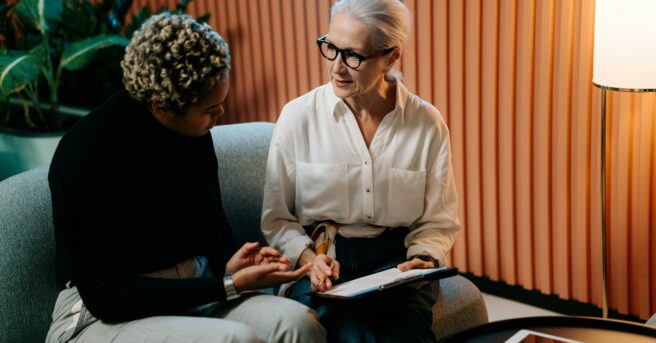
{"x":285,"y":265}
{"x":272,"y":259}
{"x":290,"y":275}
{"x":268,"y":268}
{"x":314,"y":280}
{"x":421,"y":264}
{"x":319,"y":281}
{"x":305,"y":268}
{"x":298,"y":273}
{"x":324,"y":263}
{"x":274,"y":268}
{"x":317,"y":270}
{"x":279,"y":267}
{"x":405,"y":266}
{"x":269,"y":252}
{"x":414,"y":264}
{"x":317,"y":277}
{"x":266,"y":259}
{"x":335,"y":270}
{"x":321,"y":277}
{"x":278,"y":259}
{"x":248,"y":247}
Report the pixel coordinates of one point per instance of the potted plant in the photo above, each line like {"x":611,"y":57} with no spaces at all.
{"x":49,"y":52}
{"x":32,"y":67}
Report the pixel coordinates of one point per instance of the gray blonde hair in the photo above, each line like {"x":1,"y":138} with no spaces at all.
{"x":173,"y":60}
{"x":389,"y":21}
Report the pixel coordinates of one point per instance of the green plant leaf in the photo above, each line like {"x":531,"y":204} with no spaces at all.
{"x":79,"y":54}
{"x":18,"y":69}
{"x":204,"y":18}
{"x":51,"y":9}
{"x":28,"y":12}
{"x":39,"y":12}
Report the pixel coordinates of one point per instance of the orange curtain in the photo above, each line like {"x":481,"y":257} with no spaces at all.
{"x":513,"y":79}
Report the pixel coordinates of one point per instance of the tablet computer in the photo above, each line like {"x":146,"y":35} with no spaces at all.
{"x":381,"y":281}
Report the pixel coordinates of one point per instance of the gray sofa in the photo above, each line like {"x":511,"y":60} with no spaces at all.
{"x":27,"y":280}
{"x":652,"y":321}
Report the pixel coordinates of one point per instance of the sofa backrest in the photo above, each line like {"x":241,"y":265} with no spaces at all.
{"x":242,"y":151}
{"x":28,"y":288}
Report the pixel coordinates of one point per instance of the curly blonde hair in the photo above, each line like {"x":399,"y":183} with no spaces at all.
{"x":173,"y":60}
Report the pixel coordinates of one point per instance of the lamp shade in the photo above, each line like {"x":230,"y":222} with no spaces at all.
{"x":625,"y":44}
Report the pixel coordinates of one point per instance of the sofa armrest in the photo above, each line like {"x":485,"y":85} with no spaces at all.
{"x":28,"y":286}
{"x":459,"y":306}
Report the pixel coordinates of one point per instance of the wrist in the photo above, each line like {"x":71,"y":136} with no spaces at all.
{"x":231,"y":289}
{"x":230,"y":268}
{"x":307,"y":256}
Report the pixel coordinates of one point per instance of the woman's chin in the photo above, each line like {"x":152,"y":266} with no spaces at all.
{"x":343,"y":91}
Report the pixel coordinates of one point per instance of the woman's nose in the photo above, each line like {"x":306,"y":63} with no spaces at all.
{"x":219,"y":112}
{"x":338,"y":63}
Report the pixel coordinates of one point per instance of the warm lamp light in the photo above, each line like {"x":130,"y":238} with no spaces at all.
{"x":624,"y":45}
{"x":624,"y":60}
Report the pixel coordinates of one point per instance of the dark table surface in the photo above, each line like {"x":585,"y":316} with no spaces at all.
{"x":584,"y":329}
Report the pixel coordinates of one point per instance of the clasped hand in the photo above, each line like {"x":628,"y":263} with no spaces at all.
{"x":254,"y":267}
{"x":324,"y":270}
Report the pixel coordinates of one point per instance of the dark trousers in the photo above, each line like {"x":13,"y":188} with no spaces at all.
{"x":399,"y":314}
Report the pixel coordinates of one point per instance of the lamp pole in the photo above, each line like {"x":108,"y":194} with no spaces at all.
{"x":604,"y":277}
{"x":604,"y":294}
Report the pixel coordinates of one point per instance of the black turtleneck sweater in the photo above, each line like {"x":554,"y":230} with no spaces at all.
{"x":129,"y":197}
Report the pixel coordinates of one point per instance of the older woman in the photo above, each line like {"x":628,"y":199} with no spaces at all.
{"x":143,"y":245}
{"x":366,"y":166}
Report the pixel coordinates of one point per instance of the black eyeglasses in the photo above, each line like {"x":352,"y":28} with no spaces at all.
{"x":351,"y":58}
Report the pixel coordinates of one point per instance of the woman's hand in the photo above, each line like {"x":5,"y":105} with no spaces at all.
{"x":324,"y":269}
{"x":266,"y":275}
{"x":251,"y":254}
{"x":415,"y":263}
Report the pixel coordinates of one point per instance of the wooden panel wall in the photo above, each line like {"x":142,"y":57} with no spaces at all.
{"x":513,"y":79}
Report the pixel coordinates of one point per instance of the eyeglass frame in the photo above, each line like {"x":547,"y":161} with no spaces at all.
{"x":321,"y":40}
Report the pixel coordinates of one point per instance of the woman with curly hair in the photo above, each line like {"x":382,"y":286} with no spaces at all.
{"x":143,"y":248}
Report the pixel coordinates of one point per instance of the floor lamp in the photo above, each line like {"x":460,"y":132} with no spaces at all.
{"x":624,"y":61}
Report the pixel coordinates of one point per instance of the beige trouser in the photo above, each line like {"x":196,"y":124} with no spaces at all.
{"x":254,"y":317}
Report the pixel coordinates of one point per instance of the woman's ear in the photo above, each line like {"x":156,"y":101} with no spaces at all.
{"x":161,"y":115}
{"x":391,"y":59}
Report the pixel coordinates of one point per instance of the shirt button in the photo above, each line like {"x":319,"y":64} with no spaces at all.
{"x":368,"y":190}
{"x":366,"y":163}
{"x":368,"y":217}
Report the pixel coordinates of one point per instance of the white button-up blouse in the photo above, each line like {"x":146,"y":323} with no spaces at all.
{"x":319,"y":168}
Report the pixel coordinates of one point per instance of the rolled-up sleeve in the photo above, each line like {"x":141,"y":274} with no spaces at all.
{"x":280,"y":226}
{"x":435,"y":231}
